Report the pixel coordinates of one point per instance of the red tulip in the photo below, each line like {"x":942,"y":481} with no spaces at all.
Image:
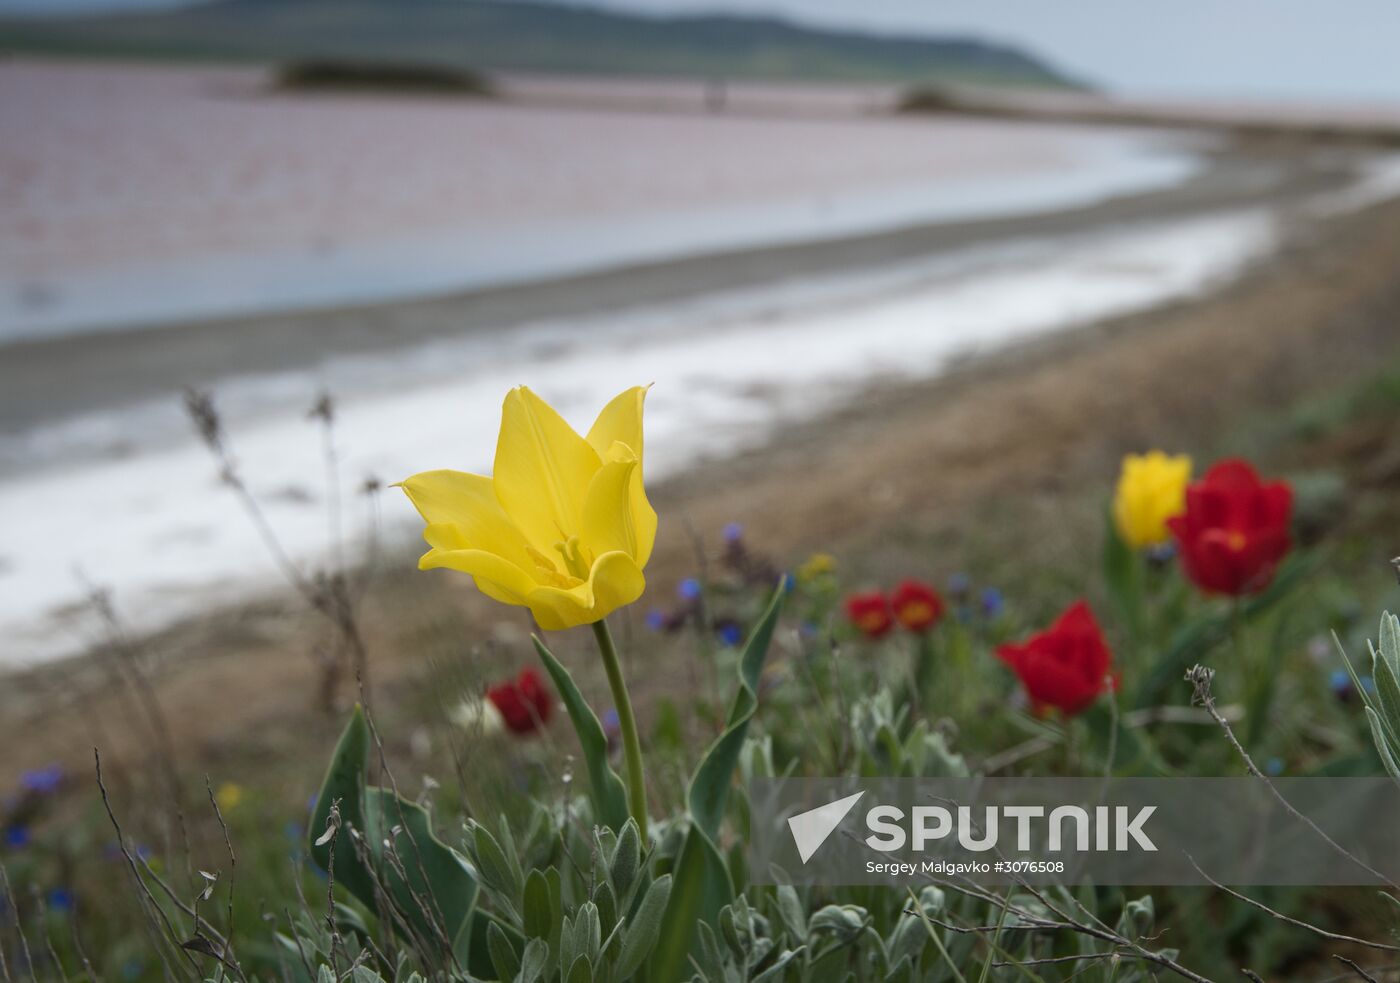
{"x":916,"y":605}
{"x":1066,"y":666}
{"x":524,"y":702}
{"x":870,"y":612}
{"x":1234,"y":531}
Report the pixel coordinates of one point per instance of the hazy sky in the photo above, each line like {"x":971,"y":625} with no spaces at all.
{"x":1320,"y":49}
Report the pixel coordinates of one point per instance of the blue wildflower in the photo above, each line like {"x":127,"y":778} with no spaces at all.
{"x":17,"y":837}
{"x":730,"y":633}
{"x":1339,"y":681}
{"x":1162,"y":553}
{"x":733,"y":532}
{"x":689,"y":589}
{"x":992,"y":602}
{"x":788,"y":583}
{"x":656,"y":619}
{"x":61,"y":900}
{"x":1274,"y":766}
{"x":43,"y":781}
{"x":612,"y":726}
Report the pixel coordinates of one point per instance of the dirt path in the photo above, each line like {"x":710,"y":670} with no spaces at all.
{"x":914,"y":457}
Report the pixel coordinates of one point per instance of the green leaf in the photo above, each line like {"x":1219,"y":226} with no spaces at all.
{"x":431,"y":886}
{"x":503,"y":955}
{"x":438,"y":877}
{"x":1190,"y":643}
{"x":644,"y":928}
{"x":627,"y":858}
{"x":534,"y":961}
{"x":1388,"y":698}
{"x":477,"y":958}
{"x":344,"y":785}
{"x":709,"y":789}
{"x":703,"y":885}
{"x":588,"y":932}
{"x":1122,"y":571}
{"x":1389,"y":641}
{"x":775,"y":972}
{"x":708,"y":958}
{"x":606,"y":790}
{"x":792,"y":913}
{"x":846,"y":922}
{"x":1382,"y":744}
{"x":901,"y":972}
{"x":539,"y":915}
{"x":606,"y":901}
{"x":582,"y":971}
{"x":496,"y":869}
{"x":565,"y":943}
{"x":701,"y":888}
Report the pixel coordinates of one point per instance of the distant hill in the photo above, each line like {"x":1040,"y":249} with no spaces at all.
{"x":524,"y":36}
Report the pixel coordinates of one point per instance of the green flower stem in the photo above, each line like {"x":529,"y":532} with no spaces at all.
{"x":924,"y":666}
{"x":631,"y":745}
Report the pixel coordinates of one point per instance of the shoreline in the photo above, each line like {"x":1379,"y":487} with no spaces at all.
{"x":110,"y":369}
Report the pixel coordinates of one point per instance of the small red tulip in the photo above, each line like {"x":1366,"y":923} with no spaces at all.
{"x":1234,"y":531}
{"x":524,"y":702}
{"x":1066,"y":666}
{"x":870,"y":612}
{"x":916,"y":605}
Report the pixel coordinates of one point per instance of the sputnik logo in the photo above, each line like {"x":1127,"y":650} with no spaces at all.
{"x":810,"y":829}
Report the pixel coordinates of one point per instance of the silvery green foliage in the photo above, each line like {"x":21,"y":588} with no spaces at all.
{"x":598,"y":924}
{"x":1383,"y":705}
{"x":876,"y":726}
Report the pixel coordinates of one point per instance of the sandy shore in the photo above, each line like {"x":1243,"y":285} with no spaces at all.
{"x":906,"y":467}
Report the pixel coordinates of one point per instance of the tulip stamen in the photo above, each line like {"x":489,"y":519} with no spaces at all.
{"x":548,"y":572}
{"x":576,"y":560}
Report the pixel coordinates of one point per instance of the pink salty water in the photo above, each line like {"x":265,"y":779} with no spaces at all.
{"x":104,"y":165}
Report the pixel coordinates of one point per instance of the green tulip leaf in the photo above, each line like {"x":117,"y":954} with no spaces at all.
{"x":385,"y":852}
{"x":702,"y":883}
{"x":606,"y":790}
{"x":1189,"y":645}
{"x":709,"y":789}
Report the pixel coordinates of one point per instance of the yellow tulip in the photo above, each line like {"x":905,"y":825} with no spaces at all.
{"x":1151,"y":489}
{"x":816,"y":566}
{"x":229,"y":796}
{"x":562,"y":527}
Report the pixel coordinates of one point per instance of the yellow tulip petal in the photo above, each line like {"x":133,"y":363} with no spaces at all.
{"x":635,"y":511}
{"x":643,"y":518}
{"x":614,"y":581}
{"x":543,"y":468}
{"x":468,"y":502}
{"x":445,"y":536}
{"x":495,"y":577}
{"x":620,"y":420}
{"x":607,"y":509}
